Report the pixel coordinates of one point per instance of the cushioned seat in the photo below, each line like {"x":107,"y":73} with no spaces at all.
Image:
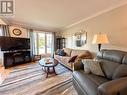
{"x":88,"y":82}
{"x":114,"y":66}
{"x":65,"y":59}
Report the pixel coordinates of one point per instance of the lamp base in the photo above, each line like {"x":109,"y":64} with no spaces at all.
{"x":99,"y":47}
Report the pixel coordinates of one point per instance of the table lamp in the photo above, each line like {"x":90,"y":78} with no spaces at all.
{"x":100,"y":39}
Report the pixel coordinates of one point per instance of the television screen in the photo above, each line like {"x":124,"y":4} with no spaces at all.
{"x":11,"y":43}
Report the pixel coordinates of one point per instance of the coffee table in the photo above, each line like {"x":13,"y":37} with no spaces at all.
{"x":48,"y":65}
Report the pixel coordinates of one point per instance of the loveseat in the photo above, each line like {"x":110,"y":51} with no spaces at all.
{"x":64,"y":60}
{"x":114,"y":65}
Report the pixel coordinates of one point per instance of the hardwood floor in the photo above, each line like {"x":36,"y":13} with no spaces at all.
{"x":4,"y":73}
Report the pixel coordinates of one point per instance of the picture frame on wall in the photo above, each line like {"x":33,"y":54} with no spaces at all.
{"x":16,"y":32}
{"x":80,"y":38}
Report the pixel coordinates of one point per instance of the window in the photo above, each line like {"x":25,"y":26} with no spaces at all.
{"x":43,"y":42}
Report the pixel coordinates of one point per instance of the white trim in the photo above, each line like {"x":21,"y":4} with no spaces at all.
{"x":95,"y":15}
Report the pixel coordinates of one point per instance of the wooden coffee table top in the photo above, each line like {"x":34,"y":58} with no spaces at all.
{"x":48,"y":62}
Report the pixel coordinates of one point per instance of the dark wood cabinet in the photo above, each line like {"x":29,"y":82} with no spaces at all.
{"x":60,"y":43}
{"x":15,"y":58}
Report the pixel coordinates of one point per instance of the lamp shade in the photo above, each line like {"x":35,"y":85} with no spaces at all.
{"x":100,"y":39}
{"x":2,"y":22}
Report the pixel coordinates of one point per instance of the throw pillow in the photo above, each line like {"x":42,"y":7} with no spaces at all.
{"x":57,"y":51}
{"x":72,"y":59}
{"x":93,"y":66}
{"x":121,"y":71}
{"x":84,"y":55}
{"x":61,"y":53}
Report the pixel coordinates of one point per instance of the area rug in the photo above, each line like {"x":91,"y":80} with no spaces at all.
{"x":29,"y":79}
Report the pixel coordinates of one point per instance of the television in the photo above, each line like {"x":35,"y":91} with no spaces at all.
{"x":13,"y":43}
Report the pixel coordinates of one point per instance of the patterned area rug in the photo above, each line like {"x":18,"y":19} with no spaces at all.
{"x":29,"y":79}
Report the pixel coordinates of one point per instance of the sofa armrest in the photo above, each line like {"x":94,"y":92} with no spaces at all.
{"x":114,"y":87}
{"x":77,"y":65}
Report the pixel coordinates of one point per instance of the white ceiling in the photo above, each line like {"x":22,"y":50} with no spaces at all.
{"x":58,"y":14}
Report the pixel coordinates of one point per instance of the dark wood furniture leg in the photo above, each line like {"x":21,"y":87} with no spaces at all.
{"x":48,"y":71}
{"x":54,"y":71}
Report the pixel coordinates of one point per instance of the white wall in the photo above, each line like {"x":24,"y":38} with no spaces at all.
{"x":113,"y":23}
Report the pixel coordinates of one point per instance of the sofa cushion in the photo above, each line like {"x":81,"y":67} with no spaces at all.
{"x":57,"y":57}
{"x":108,"y":67}
{"x":65,"y":59}
{"x":88,"y":82}
{"x":121,"y":71}
{"x":67,"y":51}
{"x":112,"y":55}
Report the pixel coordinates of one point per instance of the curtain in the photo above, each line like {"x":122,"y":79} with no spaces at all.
{"x":33,"y":35}
{"x":53,"y":44}
{"x":5,"y":30}
{"x":32,"y":44}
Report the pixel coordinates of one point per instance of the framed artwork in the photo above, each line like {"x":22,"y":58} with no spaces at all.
{"x":17,"y":32}
{"x":80,"y":38}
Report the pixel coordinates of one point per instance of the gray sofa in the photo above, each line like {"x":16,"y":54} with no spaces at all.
{"x":110,"y":61}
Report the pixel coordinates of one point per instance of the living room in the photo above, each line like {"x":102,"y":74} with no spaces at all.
{"x":63,"y":47}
